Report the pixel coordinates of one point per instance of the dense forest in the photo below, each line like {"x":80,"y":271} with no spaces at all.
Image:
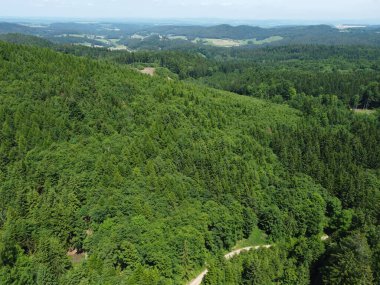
{"x":110,"y":176}
{"x":275,"y":73}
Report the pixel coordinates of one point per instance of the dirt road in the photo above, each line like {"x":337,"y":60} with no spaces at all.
{"x":199,"y":278}
{"x":240,"y":250}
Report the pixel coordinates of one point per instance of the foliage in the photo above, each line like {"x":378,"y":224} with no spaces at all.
{"x":148,"y":178}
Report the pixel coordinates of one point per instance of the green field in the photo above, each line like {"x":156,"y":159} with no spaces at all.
{"x":173,"y":37}
{"x":257,"y":237}
{"x":236,"y":43}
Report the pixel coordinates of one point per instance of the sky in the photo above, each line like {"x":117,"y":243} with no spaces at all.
{"x":177,"y":9}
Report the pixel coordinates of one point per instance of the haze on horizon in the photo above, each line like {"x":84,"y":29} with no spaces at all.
{"x":227,"y":9}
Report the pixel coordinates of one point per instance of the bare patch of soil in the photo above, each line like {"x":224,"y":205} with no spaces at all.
{"x":148,"y":70}
{"x":75,"y":256}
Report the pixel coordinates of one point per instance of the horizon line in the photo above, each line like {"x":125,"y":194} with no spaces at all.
{"x":193,"y":21}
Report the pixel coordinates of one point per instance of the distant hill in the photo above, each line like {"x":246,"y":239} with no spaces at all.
{"x":319,"y":34}
{"x":149,"y":36}
{"x":219,"y":31}
{"x":25,"y":40}
{"x":6,"y":28}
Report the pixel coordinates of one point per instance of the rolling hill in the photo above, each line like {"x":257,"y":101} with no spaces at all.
{"x":141,"y":36}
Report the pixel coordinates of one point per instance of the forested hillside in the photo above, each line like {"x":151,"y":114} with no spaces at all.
{"x":275,"y":73}
{"x":110,"y":176}
{"x":24,"y":39}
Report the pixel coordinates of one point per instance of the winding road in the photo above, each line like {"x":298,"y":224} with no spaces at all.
{"x":199,"y":278}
